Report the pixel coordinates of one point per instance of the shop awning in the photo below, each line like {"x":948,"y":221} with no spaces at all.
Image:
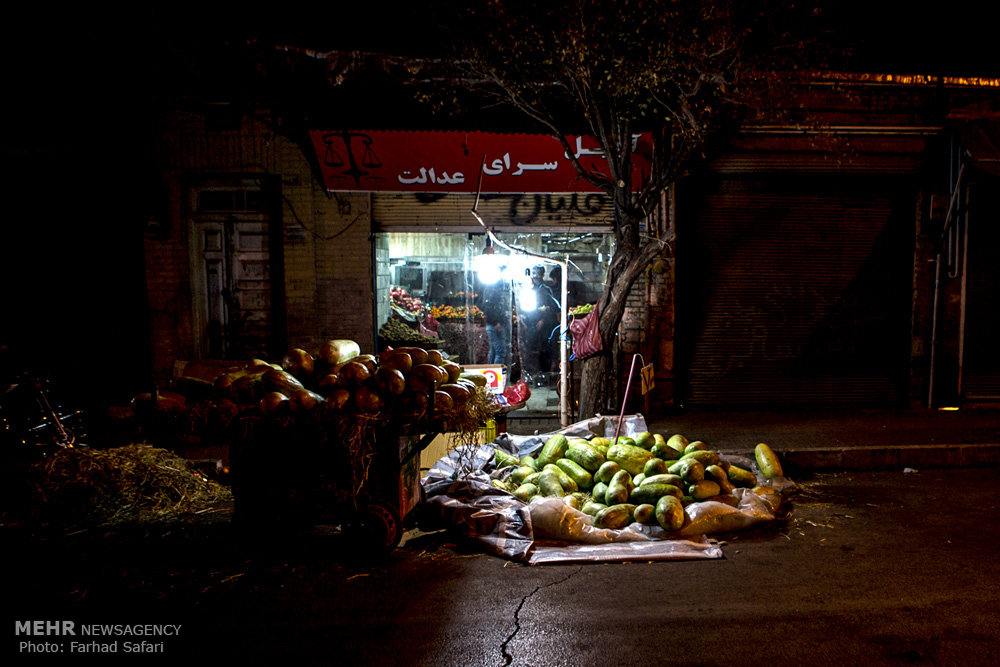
{"x":451,"y":161}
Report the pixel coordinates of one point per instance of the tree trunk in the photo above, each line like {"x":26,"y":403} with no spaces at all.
{"x":593,"y":394}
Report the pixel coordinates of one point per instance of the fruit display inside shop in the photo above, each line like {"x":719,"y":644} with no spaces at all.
{"x":456,"y":312}
{"x":406,"y":385}
{"x":396,"y":332}
{"x":401,"y":298}
{"x":644,"y":478}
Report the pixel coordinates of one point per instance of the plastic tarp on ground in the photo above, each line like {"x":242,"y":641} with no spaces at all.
{"x":459,"y":492}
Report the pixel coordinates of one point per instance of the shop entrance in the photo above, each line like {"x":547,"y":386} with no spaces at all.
{"x":484,"y":306}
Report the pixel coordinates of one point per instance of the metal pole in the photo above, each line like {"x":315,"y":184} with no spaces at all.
{"x":563,"y":361}
{"x":628,"y":387}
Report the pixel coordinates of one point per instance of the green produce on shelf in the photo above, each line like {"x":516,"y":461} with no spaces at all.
{"x":395,"y":332}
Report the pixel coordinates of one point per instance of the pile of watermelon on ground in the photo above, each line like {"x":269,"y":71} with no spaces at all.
{"x":597,"y":491}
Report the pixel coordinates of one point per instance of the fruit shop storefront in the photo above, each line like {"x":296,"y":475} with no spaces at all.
{"x":440,"y":281}
{"x":261,"y":245}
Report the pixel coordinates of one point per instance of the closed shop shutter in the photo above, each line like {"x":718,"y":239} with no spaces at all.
{"x":794,"y":291}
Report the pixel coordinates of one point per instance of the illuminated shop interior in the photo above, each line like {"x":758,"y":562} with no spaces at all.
{"x":439,"y":284}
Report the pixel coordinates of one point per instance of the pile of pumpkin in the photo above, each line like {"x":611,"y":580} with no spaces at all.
{"x":408,"y":383}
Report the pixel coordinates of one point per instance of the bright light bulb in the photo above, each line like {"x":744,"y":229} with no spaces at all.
{"x":527,"y":299}
{"x":489,"y":268}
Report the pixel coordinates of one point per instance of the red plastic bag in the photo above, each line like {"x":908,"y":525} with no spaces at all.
{"x":517,"y":393}
{"x":429,"y":325}
{"x":586,"y":336}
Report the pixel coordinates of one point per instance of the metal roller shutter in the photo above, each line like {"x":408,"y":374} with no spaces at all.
{"x":794,"y":291}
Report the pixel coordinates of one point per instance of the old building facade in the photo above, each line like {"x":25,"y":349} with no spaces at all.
{"x":824,"y":265}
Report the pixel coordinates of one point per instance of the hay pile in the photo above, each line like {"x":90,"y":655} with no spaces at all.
{"x":133,"y":484}
{"x":465,"y":425}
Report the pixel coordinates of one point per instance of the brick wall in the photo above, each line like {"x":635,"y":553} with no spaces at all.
{"x":168,"y":286}
{"x":632,"y":330}
{"x":660,"y":327}
{"x":647,"y":329}
{"x":333,"y":273}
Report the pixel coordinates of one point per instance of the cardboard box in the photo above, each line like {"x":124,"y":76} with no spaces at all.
{"x":444,"y":443}
{"x":495,"y":379}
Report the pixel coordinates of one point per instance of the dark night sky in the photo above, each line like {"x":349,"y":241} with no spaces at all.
{"x":932,"y":38}
{"x":929,"y":38}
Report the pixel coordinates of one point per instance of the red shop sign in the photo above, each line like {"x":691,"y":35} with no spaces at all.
{"x":403,"y":161}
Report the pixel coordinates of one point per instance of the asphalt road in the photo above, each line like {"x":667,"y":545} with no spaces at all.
{"x":870,"y":568}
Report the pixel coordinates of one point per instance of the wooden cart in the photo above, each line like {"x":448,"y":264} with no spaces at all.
{"x":298,"y":478}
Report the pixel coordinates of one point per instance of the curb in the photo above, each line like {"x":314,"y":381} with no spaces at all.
{"x":891,"y":457}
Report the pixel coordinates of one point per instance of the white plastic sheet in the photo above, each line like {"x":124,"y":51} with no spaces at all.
{"x":622,"y":552}
{"x":459,"y":491}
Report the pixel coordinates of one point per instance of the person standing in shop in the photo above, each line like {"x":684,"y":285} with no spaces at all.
{"x":544,"y":319}
{"x":496,"y":310}
{"x":555,"y":285}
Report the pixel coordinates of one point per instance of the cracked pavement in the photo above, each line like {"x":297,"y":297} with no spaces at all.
{"x":508,"y":658}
